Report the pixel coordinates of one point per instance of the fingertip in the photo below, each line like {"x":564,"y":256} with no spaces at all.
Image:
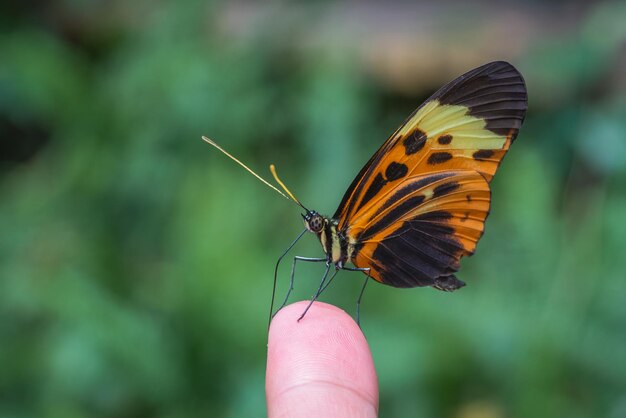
{"x":320,"y":364}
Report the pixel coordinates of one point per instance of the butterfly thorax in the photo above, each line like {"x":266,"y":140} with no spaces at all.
{"x":334,"y":242}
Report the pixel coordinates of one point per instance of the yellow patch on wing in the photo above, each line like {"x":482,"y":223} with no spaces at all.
{"x":468,"y":132}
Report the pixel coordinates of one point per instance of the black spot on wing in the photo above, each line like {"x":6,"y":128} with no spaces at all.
{"x":444,"y":139}
{"x":482,"y":154}
{"x":445,"y":188}
{"x":414,"y":142}
{"x":439,"y":157}
{"x":395,"y":171}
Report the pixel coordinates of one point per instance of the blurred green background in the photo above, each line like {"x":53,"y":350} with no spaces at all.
{"x":136,"y":261}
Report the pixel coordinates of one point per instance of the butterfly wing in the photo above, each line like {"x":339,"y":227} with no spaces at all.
{"x":429,"y":181}
{"x":467,"y":124}
{"x":417,"y":235}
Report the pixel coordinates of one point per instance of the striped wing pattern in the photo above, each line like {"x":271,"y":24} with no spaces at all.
{"x":408,"y":234}
{"x":421,"y":231}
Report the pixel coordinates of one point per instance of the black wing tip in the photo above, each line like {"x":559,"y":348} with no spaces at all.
{"x":504,"y":67}
{"x":495,"y":91}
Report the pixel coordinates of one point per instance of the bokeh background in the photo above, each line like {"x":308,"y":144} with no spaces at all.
{"x":136,"y":261}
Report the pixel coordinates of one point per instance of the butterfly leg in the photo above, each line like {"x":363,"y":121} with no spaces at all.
{"x":269,"y":320}
{"x":329,"y":281}
{"x":293,"y":274}
{"x":319,"y":289}
{"x":358,"y":301}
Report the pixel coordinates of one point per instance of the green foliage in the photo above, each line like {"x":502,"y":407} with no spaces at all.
{"x":136,"y":262}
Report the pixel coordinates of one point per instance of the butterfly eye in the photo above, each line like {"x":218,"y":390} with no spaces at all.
{"x":314,"y":222}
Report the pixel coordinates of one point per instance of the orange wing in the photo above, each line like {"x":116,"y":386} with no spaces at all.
{"x":467,"y":124}
{"x":421,"y":201}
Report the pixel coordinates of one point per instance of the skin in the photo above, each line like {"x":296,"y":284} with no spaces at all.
{"x":320,"y":366}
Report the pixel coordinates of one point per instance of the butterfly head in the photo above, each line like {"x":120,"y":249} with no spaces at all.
{"x":313,"y":221}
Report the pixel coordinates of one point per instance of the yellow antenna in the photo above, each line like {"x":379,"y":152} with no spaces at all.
{"x":275,"y":174}
{"x":211,"y":142}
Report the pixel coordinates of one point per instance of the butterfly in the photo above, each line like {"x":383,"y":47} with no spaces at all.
{"x":420,"y":203}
